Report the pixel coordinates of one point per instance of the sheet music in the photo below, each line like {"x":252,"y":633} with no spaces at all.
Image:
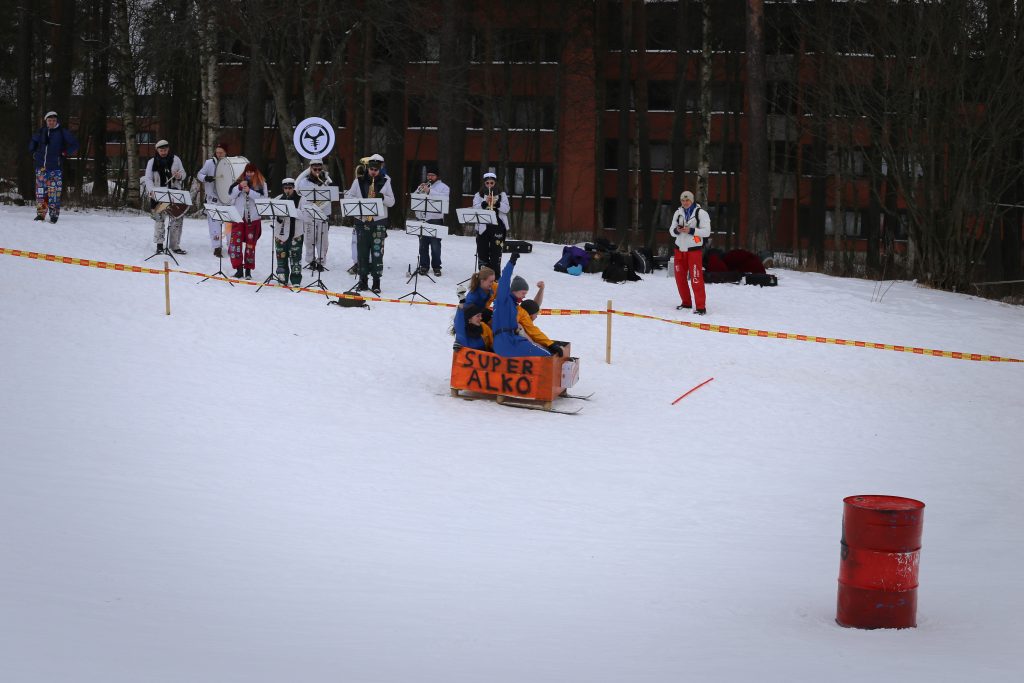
{"x":471,"y":215}
{"x":172,"y":196}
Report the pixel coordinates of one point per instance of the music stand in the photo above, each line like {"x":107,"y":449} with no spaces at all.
{"x":167,"y":195}
{"x":424,"y":203}
{"x":472,"y":216}
{"x":315,"y":213}
{"x":421,"y":229}
{"x":224,"y":214}
{"x":273,"y":209}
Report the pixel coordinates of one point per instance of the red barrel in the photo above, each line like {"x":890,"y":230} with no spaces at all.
{"x":879,"y":556}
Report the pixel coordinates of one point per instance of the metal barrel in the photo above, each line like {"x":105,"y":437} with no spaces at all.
{"x":880,"y":553}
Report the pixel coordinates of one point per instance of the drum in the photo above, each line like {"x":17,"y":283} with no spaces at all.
{"x":228,"y":170}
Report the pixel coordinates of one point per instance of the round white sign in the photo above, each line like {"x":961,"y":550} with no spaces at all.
{"x":313,"y":138}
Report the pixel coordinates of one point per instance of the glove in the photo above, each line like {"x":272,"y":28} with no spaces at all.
{"x":486,"y":315}
{"x":555,"y":349}
{"x":514,"y":257}
{"x":693,"y":231}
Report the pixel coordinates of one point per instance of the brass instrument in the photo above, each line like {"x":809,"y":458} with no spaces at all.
{"x":424,"y":188}
{"x":491,"y":199}
{"x":373,"y":188}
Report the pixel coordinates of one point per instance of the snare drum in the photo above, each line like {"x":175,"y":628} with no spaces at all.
{"x":228,"y":170}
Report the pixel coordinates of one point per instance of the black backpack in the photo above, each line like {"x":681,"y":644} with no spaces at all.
{"x":620,"y":268}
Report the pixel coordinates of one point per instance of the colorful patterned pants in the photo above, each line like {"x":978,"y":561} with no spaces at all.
{"x":290,"y":250}
{"x":48,"y":188}
{"x":172,"y":233}
{"x":247,"y":233}
{"x":370,"y":245}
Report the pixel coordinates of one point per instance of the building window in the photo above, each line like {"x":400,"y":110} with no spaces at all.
{"x":851,"y":223}
{"x":661,"y":95}
{"x":232,"y":112}
{"x":533,"y":180}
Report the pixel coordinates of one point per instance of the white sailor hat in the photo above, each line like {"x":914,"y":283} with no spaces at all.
{"x":490,"y":175}
{"x":316,"y":160}
{"x":162,"y":143}
{"x":375,"y":161}
{"x":51,"y":113}
{"x":288,"y":181}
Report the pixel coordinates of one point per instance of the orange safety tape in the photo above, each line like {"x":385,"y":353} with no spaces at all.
{"x":707,"y":327}
{"x":749,"y":332}
{"x":78,"y":261}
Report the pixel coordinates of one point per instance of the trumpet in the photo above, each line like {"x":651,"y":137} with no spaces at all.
{"x":424,"y":188}
{"x":490,"y":200}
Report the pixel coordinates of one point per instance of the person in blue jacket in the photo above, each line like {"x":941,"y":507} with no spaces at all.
{"x":470,"y":330}
{"x":504,"y":321}
{"x":49,"y":146}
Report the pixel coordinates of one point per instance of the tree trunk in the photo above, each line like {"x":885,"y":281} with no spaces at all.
{"x":758,"y":186}
{"x":64,"y":39}
{"x":255,"y":123}
{"x":210,"y":74}
{"x":451,"y":130}
{"x":25,"y":119}
{"x":126,"y":81}
{"x":623,"y":203}
{"x":704,"y":139}
{"x":100,"y":97}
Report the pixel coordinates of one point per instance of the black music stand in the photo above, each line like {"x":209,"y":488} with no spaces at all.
{"x":420,"y":229}
{"x":315,"y":196}
{"x":366,"y":210}
{"x":224,"y":214}
{"x":167,"y":195}
{"x":274,"y":209}
{"x":472,"y":216}
{"x":315,"y":214}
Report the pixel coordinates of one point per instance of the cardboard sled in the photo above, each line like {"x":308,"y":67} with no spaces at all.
{"x":533,"y":378}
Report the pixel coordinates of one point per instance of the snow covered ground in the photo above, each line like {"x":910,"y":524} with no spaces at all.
{"x":262,"y":488}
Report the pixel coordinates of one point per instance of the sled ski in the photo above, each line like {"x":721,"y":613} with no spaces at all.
{"x":581,"y":397}
{"x":514,"y":401}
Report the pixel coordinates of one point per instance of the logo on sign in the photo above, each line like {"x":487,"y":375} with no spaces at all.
{"x":313,"y":138}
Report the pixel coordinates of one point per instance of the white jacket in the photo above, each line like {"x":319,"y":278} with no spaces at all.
{"x":690,"y":234}
{"x":208,"y":176}
{"x":246,"y":203}
{"x":501,"y":206}
{"x":151,"y":180}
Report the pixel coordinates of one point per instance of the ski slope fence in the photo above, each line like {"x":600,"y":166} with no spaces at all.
{"x":609,"y":311}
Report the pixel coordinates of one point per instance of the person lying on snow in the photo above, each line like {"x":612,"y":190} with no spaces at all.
{"x":505,"y":321}
{"x":470,"y":329}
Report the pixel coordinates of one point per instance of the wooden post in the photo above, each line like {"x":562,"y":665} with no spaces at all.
{"x":608,"y":336}
{"x":167,"y":286}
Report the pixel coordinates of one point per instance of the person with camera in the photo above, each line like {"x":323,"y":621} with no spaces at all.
{"x":249,"y":187}
{"x":430,"y":247}
{"x":505,"y":321}
{"x":690,"y":226}
{"x":164,"y":170}
{"x":49,"y":145}
{"x":371,"y":231}
{"x":490,"y":238}
{"x":288,"y":236}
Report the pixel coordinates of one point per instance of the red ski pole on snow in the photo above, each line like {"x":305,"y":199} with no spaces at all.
{"x":692,"y":390}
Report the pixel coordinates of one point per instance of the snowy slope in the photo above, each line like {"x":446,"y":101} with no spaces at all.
{"x":263,"y":488}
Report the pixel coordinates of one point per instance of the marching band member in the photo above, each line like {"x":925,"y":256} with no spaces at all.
{"x":316,"y":230}
{"x":288,"y":235}
{"x":207,"y":176}
{"x":372,"y":231}
{"x":490,"y":238}
{"x":164,"y":170}
{"x":244,"y":192}
{"x":430,"y":247}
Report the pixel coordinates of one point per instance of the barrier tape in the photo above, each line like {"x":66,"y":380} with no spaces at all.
{"x":78,"y":261}
{"x":707,"y":327}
